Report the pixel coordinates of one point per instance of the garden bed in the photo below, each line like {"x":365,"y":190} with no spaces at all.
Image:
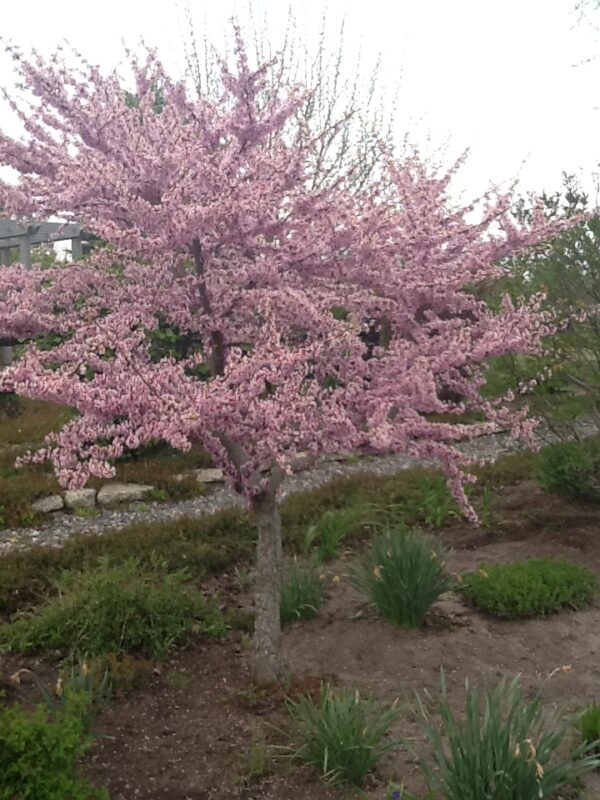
{"x":196,"y":729}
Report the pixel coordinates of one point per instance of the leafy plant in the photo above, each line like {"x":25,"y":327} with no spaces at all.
{"x":530,"y":588}
{"x":435,"y":505}
{"x":84,"y":680}
{"x":588,"y":725}
{"x":571,"y":469}
{"x":332,"y":528}
{"x":402,"y":575}
{"x":39,"y":751}
{"x":301,"y":592}
{"x":343,"y":734}
{"x":124,"y":607}
{"x":501,"y":747}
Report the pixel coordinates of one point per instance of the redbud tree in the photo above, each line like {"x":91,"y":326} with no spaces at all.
{"x":216,"y":225}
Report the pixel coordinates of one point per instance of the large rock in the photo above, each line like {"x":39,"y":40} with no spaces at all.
{"x":114,"y":493}
{"x":208,"y":475}
{"x":80,"y":498}
{"x":46,"y":504}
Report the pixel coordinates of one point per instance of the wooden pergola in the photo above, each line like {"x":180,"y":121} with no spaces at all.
{"x":24,"y":236}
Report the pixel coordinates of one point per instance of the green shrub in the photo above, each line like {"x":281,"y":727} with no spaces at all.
{"x":402,"y":575}
{"x":332,"y":528}
{"x":529,"y":588}
{"x":39,"y":752}
{"x":342,"y":734}
{"x":571,"y":469}
{"x":301,"y":592}
{"x":588,"y":725}
{"x":434,"y":505}
{"x":500,"y":748}
{"x":115,"y":608}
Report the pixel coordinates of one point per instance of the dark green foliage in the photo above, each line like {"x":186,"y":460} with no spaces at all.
{"x":39,"y":752}
{"x":301,"y":592}
{"x":402,"y":575}
{"x":118,"y":608}
{"x":571,"y":469}
{"x":588,"y":725}
{"x":343,"y":734}
{"x":530,"y":588}
{"x":501,"y":747}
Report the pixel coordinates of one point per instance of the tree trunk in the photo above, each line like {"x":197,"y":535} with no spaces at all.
{"x":267,"y":625}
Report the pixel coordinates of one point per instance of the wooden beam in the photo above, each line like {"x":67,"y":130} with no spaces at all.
{"x":39,"y":232}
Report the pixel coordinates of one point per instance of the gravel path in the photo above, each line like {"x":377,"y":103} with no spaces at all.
{"x":61,"y":526}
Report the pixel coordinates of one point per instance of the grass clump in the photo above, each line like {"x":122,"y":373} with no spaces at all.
{"x":530,"y":588}
{"x":402,"y":575}
{"x":301,"y":592}
{"x":588,"y":726}
{"x":501,"y":747}
{"x":571,"y":469}
{"x":326,"y":535}
{"x":342,"y":734}
{"x":114,"y":607}
{"x":39,"y":750}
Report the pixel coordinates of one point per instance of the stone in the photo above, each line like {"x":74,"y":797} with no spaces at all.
{"x":208,"y":475}
{"x":80,"y":498}
{"x":44,"y":505}
{"x":114,"y":493}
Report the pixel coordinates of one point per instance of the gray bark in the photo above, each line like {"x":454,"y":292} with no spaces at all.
{"x":267,"y":624}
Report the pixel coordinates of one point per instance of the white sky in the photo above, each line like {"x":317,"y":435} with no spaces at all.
{"x":514,"y":80}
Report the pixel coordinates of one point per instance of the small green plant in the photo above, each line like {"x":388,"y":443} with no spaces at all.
{"x":588,"y":726}
{"x":83,"y":680}
{"x":571,"y":469}
{"x":178,"y":680}
{"x":157,"y":495}
{"x":39,"y":750}
{"x":119,"y":608}
{"x":402,"y":574}
{"x":501,"y":748}
{"x":127,"y":672}
{"x":301,"y":592}
{"x":85,"y":511}
{"x":259,"y":756}
{"x":530,"y":588}
{"x":332,"y":528}
{"x":343,"y":734}
{"x":435,"y":505}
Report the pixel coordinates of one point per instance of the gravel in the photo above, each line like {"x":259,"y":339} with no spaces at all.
{"x":61,"y":527}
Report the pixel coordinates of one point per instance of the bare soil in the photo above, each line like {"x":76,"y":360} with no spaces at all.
{"x":188,"y":734}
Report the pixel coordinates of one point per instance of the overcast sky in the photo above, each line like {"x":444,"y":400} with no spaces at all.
{"x":516,"y":81}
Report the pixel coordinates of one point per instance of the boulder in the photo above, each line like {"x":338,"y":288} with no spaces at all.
{"x":44,"y":505}
{"x":80,"y":498}
{"x":114,"y":493}
{"x":208,"y":475}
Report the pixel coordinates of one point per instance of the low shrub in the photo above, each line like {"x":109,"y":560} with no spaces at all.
{"x":343,"y":734}
{"x":588,"y":726}
{"x":529,"y":588}
{"x":39,"y":751}
{"x":301,"y":592}
{"x":120,"y":608}
{"x":402,"y":575}
{"x":501,"y":747}
{"x":571,"y":469}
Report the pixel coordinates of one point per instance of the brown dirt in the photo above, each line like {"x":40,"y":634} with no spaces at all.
{"x":188,"y":734}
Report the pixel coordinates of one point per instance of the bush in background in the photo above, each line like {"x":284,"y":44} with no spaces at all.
{"x":571,"y":469}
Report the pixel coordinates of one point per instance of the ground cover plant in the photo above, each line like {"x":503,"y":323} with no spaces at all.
{"x":114,"y":608}
{"x":343,"y":733}
{"x":244,"y":246}
{"x":530,"y":588}
{"x":571,"y":469}
{"x":502,"y":747}
{"x":39,"y":753}
{"x":402,"y":574}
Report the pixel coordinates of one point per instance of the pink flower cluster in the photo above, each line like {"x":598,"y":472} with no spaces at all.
{"x":211,"y":224}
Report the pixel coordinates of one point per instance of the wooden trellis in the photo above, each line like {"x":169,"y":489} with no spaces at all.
{"x":24,"y":236}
